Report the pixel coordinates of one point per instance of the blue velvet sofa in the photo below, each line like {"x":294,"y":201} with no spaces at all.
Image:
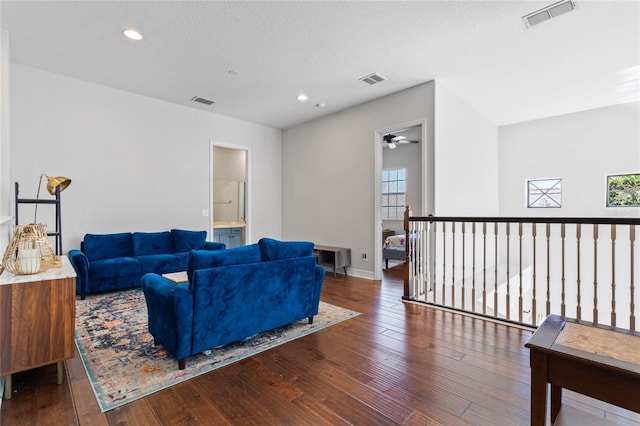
{"x":233,"y":294}
{"x":115,"y":261}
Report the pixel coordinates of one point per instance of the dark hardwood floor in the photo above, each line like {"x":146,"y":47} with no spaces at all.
{"x":397,"y":363}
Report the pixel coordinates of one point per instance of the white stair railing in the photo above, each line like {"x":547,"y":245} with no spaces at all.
{"x":523,"y":269}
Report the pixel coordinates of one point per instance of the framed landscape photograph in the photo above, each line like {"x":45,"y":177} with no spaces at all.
{"x":623,"y":190}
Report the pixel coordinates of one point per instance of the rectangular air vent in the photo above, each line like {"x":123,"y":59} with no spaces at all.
{"x":548,"y":12}
{"x":372,"y":79}
{"x":202,"y":100}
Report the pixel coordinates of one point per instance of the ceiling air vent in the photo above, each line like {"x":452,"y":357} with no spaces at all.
{"x":372,"y":79}
{"x":202,"y":100}
{"x":548,"y":12}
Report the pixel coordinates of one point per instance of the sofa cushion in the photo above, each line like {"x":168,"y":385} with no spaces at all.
{"x":271,"y":249}
{"x":115,"y":268}
{"x":184,"y":258}
{"x":107,"y":246}
{"x":161,"y":263}
{"x":145,"y":243}
{"x":202,"y":259}
{"x":188,"y":240}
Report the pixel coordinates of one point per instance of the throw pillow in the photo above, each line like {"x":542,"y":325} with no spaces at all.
{"x":187,"y":240}
{"x":145,"y":243}
{"x":271,"y":249}
{"x":202,"y":259}
{"x":107,"y":246}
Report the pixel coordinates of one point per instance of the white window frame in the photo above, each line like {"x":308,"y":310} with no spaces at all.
{"x":394,"y":194}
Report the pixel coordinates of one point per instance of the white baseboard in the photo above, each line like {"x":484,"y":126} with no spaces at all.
{"x":352,"y":272}
{"x":361,"y":273}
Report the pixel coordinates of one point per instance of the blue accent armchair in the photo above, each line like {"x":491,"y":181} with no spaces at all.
{"x":116,"y":261}
{"x":233,"y":294}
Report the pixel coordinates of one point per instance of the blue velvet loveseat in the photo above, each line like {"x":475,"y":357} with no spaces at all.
{"x":233,"y":294}
{"x":116,"y":261}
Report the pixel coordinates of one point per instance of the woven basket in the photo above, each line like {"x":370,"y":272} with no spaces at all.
{"x":29,"y":251}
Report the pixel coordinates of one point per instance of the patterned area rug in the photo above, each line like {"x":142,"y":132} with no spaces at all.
{"x":123,"y":364}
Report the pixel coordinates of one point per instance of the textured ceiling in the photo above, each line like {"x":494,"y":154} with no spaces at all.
{"x":481,"y":50}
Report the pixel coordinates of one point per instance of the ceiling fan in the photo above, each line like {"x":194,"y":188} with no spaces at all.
{"x":392,"y":140}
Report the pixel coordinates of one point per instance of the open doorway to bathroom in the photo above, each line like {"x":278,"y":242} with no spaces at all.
{"x":400,"y":174}
{"x":229,"y":195}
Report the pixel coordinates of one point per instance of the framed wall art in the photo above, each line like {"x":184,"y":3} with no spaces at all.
{"x":544,"y":193}
{"x":623,"y":190}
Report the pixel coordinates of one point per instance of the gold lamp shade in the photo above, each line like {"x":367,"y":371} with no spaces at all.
{"x":54,"y":182}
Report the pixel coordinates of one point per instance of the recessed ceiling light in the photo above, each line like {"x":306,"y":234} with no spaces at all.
{"x":302,"y":97}
{"x":132,"y":34}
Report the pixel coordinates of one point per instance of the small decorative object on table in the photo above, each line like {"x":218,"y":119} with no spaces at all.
{"x":29,"y":251}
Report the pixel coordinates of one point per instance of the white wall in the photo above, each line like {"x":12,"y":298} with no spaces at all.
{"x":581,"y":148}
{"x":466,"y":167}
{"x":137,"y":164}
{"x":6,"y":221}
{"x":229,"y":164}
{"x":329,"y":172}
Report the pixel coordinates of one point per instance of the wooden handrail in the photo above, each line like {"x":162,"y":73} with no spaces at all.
{"x":587,"y":220}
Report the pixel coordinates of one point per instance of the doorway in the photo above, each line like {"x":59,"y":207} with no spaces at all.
{"x":401,"y":179}
{"x":229,"y":194}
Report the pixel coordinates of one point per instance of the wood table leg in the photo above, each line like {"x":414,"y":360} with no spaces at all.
{"x":538,"y":388}
{"x":556,"y":401}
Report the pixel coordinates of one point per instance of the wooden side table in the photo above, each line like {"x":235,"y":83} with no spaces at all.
{"x":336,"y":257}
{"x":594,"y":360}
{"x":37,"y":320}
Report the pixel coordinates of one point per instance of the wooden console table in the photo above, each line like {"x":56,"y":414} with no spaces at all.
{"x":336,"y":257}
{"x":597,"y":361}
{"x":37,"y":320}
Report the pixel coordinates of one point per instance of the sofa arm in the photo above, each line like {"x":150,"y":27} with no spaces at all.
{"x":318,"y":281}
{"x":210,"y":245}
{"x":170,"y":314}
{"x":81,"y":265}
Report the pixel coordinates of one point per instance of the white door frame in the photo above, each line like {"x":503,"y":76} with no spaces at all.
{"x":248,"y":215}
{"x":377,"y":155}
